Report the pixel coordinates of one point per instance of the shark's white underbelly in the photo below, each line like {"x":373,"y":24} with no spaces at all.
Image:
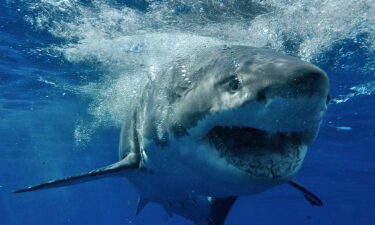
{"x":172,"y":174}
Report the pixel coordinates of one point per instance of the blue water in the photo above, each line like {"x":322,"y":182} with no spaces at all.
{"x":69,"y":68}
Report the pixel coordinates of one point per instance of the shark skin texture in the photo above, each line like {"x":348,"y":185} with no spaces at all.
{"x":222,"y":122}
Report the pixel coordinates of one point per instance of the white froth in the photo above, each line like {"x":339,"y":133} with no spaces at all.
{"x":362,"y":89}
{"x":132,"y":45}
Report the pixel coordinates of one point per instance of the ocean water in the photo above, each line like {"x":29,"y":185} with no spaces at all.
{"x":70,"y":68}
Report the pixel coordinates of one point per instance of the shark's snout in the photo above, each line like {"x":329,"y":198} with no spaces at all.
{"x":292,"y":96}
{"x":306,"y":82}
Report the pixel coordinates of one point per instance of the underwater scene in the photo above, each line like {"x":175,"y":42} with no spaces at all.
{"x":206,"y":112}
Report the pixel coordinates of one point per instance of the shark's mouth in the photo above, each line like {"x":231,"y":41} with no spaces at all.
{"x":260,"y":153}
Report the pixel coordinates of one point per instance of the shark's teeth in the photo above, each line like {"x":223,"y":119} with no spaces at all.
{"x":259,"y":153}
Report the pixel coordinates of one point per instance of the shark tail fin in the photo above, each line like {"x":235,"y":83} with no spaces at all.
{"x":311,"y":197}
{"x":131,"y":161}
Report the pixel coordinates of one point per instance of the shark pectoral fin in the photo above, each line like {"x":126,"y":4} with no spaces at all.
{"x":220,"y":208}
{"x":312,"y":198}
{"x":141,"y":204}
{"x":131,"y":161}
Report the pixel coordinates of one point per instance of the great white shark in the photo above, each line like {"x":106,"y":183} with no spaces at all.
{"x":223,"y":122}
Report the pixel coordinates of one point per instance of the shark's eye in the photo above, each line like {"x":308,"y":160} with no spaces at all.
{"x":234,"y":84}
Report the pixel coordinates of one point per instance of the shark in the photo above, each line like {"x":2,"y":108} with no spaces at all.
{"x":223,"y":122}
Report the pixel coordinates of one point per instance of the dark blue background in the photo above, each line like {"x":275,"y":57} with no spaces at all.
{"x":37,"y":143}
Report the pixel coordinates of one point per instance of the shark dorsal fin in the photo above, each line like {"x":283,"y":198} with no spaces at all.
{"x":311,"y":197}
{"x":131,"y":161}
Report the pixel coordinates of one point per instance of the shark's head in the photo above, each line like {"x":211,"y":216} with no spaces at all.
{"x":259,"y":110}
